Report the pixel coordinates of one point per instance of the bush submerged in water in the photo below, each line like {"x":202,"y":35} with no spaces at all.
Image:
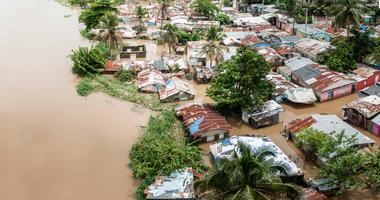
{"x":89,"y":60}
{"x":85,"y":87}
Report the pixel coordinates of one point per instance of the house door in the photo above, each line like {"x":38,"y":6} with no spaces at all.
{"x":331,"y":94}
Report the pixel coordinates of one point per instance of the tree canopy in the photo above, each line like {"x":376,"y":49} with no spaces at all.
{"x":340,"y":59}
{"x":89,"y":60}
{"x":204,"y":7}
{"x":241,"y":83}
{"x":251,"y":175}
{"x":91,"y":16}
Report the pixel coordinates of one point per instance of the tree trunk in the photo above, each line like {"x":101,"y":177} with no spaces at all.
{"x":211,"y":63}
{"x":109,"y":47}
{"x":140,"y":25}
{"x":170,"y":47}
{"x":162,"y":18}
{"x":348,"y":28}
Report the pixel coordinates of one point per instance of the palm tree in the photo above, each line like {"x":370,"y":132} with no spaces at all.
{"x":111,"y":36}
{"x":140,"y":13}
{"x":170,"y":35}
{"x":349,"y":12}
{"x":164,"y":9}
{"x":213,"y":49}
{"x":248,"y":175}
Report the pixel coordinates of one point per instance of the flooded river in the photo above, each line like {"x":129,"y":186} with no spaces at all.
{"x":55,"y":145}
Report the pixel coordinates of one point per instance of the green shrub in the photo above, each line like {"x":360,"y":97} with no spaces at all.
{"x":89,"y":60}
{"x":189,"y":76}
{"x":125,"y":75}
{"x":85,"y":87}
{"x":163,"y":149}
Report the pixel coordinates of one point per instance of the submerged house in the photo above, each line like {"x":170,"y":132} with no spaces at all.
{"x":271,"y":56}
{"x":176,"y":89}
{"x":202,"y":122}
{"x":150,"y":81}
{"x":365,"y":76}
{"x":293,"y":64}
{"x":311,"y":48}
{"x":179,"y":185}
{"x":227,"y":147}
{"x":372,"y":90}
{"x":329,"y":124}
{"x":203,"y":74}
{"x":361,"y":112}
{"x":266,"y":115}
{"x":138,"y":50}
{"x":326,"y":84}
{"x":286,"y":90}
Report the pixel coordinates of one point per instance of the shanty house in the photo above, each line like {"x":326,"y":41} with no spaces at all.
{"x":331,"y":85}
{"x":179,"y":185}
{"x":227,"y":147}
{"x":176,"y":89}
{"x":293,"y":64}
{"x":361,"y":112}
{"x":372,"y":90}
{"x":203,"y":74}
{"x":271,"y":56}
{"x":311,"y":48}
{"x":366,"y":76}
{"x":150,"y":81}
{"x":202,"y":122}
{"x":281,"y":86}
{"x":139,"y":51}
{"x":325,"y":83}
{"x":329,"y":124}
{"x":266,"y":115}
{"x":375,"y":125}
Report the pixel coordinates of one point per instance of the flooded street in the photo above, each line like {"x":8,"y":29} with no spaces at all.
{"x":55,"y":145}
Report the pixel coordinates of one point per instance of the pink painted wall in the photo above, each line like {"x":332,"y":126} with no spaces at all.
{"x":375,"y":129}
{"x":338,"y":92}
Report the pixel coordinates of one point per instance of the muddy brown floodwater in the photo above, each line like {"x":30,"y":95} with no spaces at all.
{"x":55,"y":145}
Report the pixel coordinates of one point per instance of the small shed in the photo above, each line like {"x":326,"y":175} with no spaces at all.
{"x":266,"y":115}
{"x":361,"y":112}
{"x":202,"y":122}
{"x":203,"y":74}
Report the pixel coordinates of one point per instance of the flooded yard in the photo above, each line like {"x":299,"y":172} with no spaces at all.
{"x":55,"y":144}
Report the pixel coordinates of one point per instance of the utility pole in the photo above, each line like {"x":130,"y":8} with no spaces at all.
{"x":262,"y":7}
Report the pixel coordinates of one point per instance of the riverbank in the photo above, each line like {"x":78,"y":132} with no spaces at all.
{"x":55,"y":144}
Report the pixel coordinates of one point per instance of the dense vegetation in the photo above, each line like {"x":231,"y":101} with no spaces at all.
{"x":91,"y":16}
{"x":89,"y":60}
{"x":122,"y":90}
{"x":163,"y":149}
{"x":349,"y":51}
{"x":347,"y":166}
{"x":204,"y":7}
{"x":241,"y":83}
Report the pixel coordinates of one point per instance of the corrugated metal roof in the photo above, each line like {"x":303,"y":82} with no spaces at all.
{"x":174,"y":86}
{"x":199,"y":119}
{"x":368,"y":106}
{"x":150,"y":77}
{"x":329,"y":124}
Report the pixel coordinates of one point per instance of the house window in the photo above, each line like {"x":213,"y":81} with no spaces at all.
{"x":210,"y":138}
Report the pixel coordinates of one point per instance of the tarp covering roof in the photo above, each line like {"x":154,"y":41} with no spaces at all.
{"x":199,"y":119}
